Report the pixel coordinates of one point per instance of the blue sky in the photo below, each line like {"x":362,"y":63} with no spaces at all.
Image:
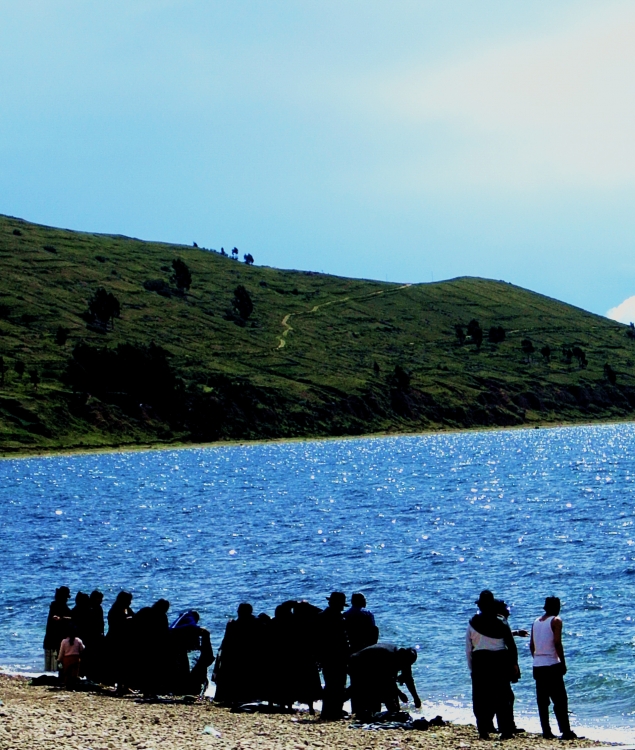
{"x":406,"y":141}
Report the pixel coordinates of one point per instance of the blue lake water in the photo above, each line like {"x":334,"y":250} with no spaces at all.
{"x":419,"y":524}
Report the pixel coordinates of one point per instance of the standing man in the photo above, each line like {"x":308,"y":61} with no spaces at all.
{"x":492,"y":658}
{"x":333,"y":652}
{"x":360,"y":624}
{"x":550,"y":668}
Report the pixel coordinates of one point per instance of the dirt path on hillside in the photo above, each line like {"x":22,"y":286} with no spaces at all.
{"x":287,"y":327}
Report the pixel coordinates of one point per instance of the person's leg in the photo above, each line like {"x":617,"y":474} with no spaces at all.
{"x":560,"y":700}
{"x":542,"y":699}
{"x":334,"y":689}
{"x":481,"y":703}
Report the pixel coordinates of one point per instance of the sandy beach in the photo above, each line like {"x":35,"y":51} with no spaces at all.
{"x":45,"y":718}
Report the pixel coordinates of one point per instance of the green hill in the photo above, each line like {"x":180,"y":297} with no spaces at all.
{"x":318,"y":355}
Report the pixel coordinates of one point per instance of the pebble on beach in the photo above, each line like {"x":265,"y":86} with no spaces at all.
{"x":47,"y":718}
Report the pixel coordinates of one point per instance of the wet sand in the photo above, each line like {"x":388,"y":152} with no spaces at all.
{"x":45,"y":718}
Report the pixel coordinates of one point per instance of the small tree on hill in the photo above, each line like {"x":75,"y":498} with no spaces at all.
{"x":222,"y":251}
{"x":631,"y":331}
{"x":61,"y":335}
{"x":459,"y":333}
{"x":475,"y":332}
{"x":401,"y":378}
{"x":103,"y":308}
{"x":610,"y":374}
{"x":34,"y":375}
{"x":235,"y":253}
{"x":249,"y":259}
{"x":528,"y":348}
{"x":181,"y":276}
{"x":546,"y":352}
{"x":376,"y":368}
{"x":242,"y":302}
{"x":580,"y":356}
{"x":496,"y":334}
{"x":567,"y":354}
{"x":19,"y":367}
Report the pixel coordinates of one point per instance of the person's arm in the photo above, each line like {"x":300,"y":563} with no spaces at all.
{"x":62,"y":651}
{"x":532,"y":647}
{"x":520,"y":633}
{"x":409,"y":682}
{"x":556,"y":627}
{"x":513,"y":652}
{"x":468,"y":647}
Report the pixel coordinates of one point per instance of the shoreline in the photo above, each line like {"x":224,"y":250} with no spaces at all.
{"x":146,"y":447}
{"x":45,"y":718}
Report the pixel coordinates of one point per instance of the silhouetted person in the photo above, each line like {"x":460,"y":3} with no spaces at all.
{"x":57,"y":626}
{"x":187,"y":635}
{"x":92,"y":659}
{"x":80,"y":615}
{"x":549,"y":669}
{"x":375,"y":673}
{"x":360,"y":624}
{"x":492,"y":658}
{"x":333,"y":653}
{"x":309,"y":687}
{"x":503,"y":611}
{"x":237,"y":673}
{"x":119,"y":641}
{"x":150,"y":628}
{"x":282,"y":661}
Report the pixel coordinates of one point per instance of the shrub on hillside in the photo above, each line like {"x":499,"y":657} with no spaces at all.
{"x":496,"y":334}
{"x":475,"y":332}
{"x":181,"y":276}
{"x":103,"y":308}
{"x":159,"y":286}
{"x":242,"y":302}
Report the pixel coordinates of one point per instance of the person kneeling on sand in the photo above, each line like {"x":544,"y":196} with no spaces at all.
{"x":375,"y":673}
{"x":550,"y":668}
{"x":70,"y":656}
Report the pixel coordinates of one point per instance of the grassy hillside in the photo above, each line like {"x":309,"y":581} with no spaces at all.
{"x":318,"y":355}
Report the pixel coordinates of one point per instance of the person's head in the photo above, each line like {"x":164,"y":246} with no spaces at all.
{"x":161,"y":606}
{"x":96,"y":598}
{"x":406,"y":657}
{"x":245,"y":610}
{"x":358,"y":600}
{"x":486,"y":602}
{"x":337,"y":600}
{"x":124,"y":599}
{"x":195,"y":615}
{"x":62,"y":594}
{"x":81,"y":599}
{"x":502,"y":609}
{"x":284,"y":610}
{"x":552,"y":606}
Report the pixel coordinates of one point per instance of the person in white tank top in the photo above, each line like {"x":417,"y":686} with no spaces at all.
{"x":549,"y":669}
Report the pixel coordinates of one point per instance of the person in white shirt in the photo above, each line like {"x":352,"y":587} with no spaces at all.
{"x":492,"y":658}
{"x":550,"y":668}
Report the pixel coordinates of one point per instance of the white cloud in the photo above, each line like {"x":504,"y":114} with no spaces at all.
{"x":624,"y":312}
{"x":553,"y":111}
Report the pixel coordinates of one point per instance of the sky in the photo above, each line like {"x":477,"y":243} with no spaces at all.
{"x":402,"y":140}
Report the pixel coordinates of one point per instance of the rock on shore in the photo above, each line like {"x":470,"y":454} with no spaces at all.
{"x":45,"y":718}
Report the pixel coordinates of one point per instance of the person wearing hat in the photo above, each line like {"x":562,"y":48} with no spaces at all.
{"x":492,"y":658}
{"x":375,"y":673}
{"x":57,"y":627}
{"x":333,"y":652}
{"x":549,"y":669}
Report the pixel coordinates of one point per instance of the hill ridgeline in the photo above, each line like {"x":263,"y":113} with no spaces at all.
{"x":112,"y":341}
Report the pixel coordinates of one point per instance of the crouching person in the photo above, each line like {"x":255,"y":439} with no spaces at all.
{"x":376,"y":673}
{"x":70,"y":655}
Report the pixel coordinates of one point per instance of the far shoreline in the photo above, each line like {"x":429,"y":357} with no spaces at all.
{"x":181,"y":445}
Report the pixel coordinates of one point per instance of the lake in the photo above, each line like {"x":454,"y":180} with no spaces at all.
{"x":420,"y":524}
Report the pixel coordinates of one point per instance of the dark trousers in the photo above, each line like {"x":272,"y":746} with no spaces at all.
{"x":334,"y":690}
{"x":550,"y":687}
{"x":491,"y":691}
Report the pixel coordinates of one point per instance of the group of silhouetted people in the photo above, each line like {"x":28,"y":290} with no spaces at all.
{"x":492,"y":659}
{"x":276,"y":659}
{"x":140,"y":650}
{"x":279,"y":659}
